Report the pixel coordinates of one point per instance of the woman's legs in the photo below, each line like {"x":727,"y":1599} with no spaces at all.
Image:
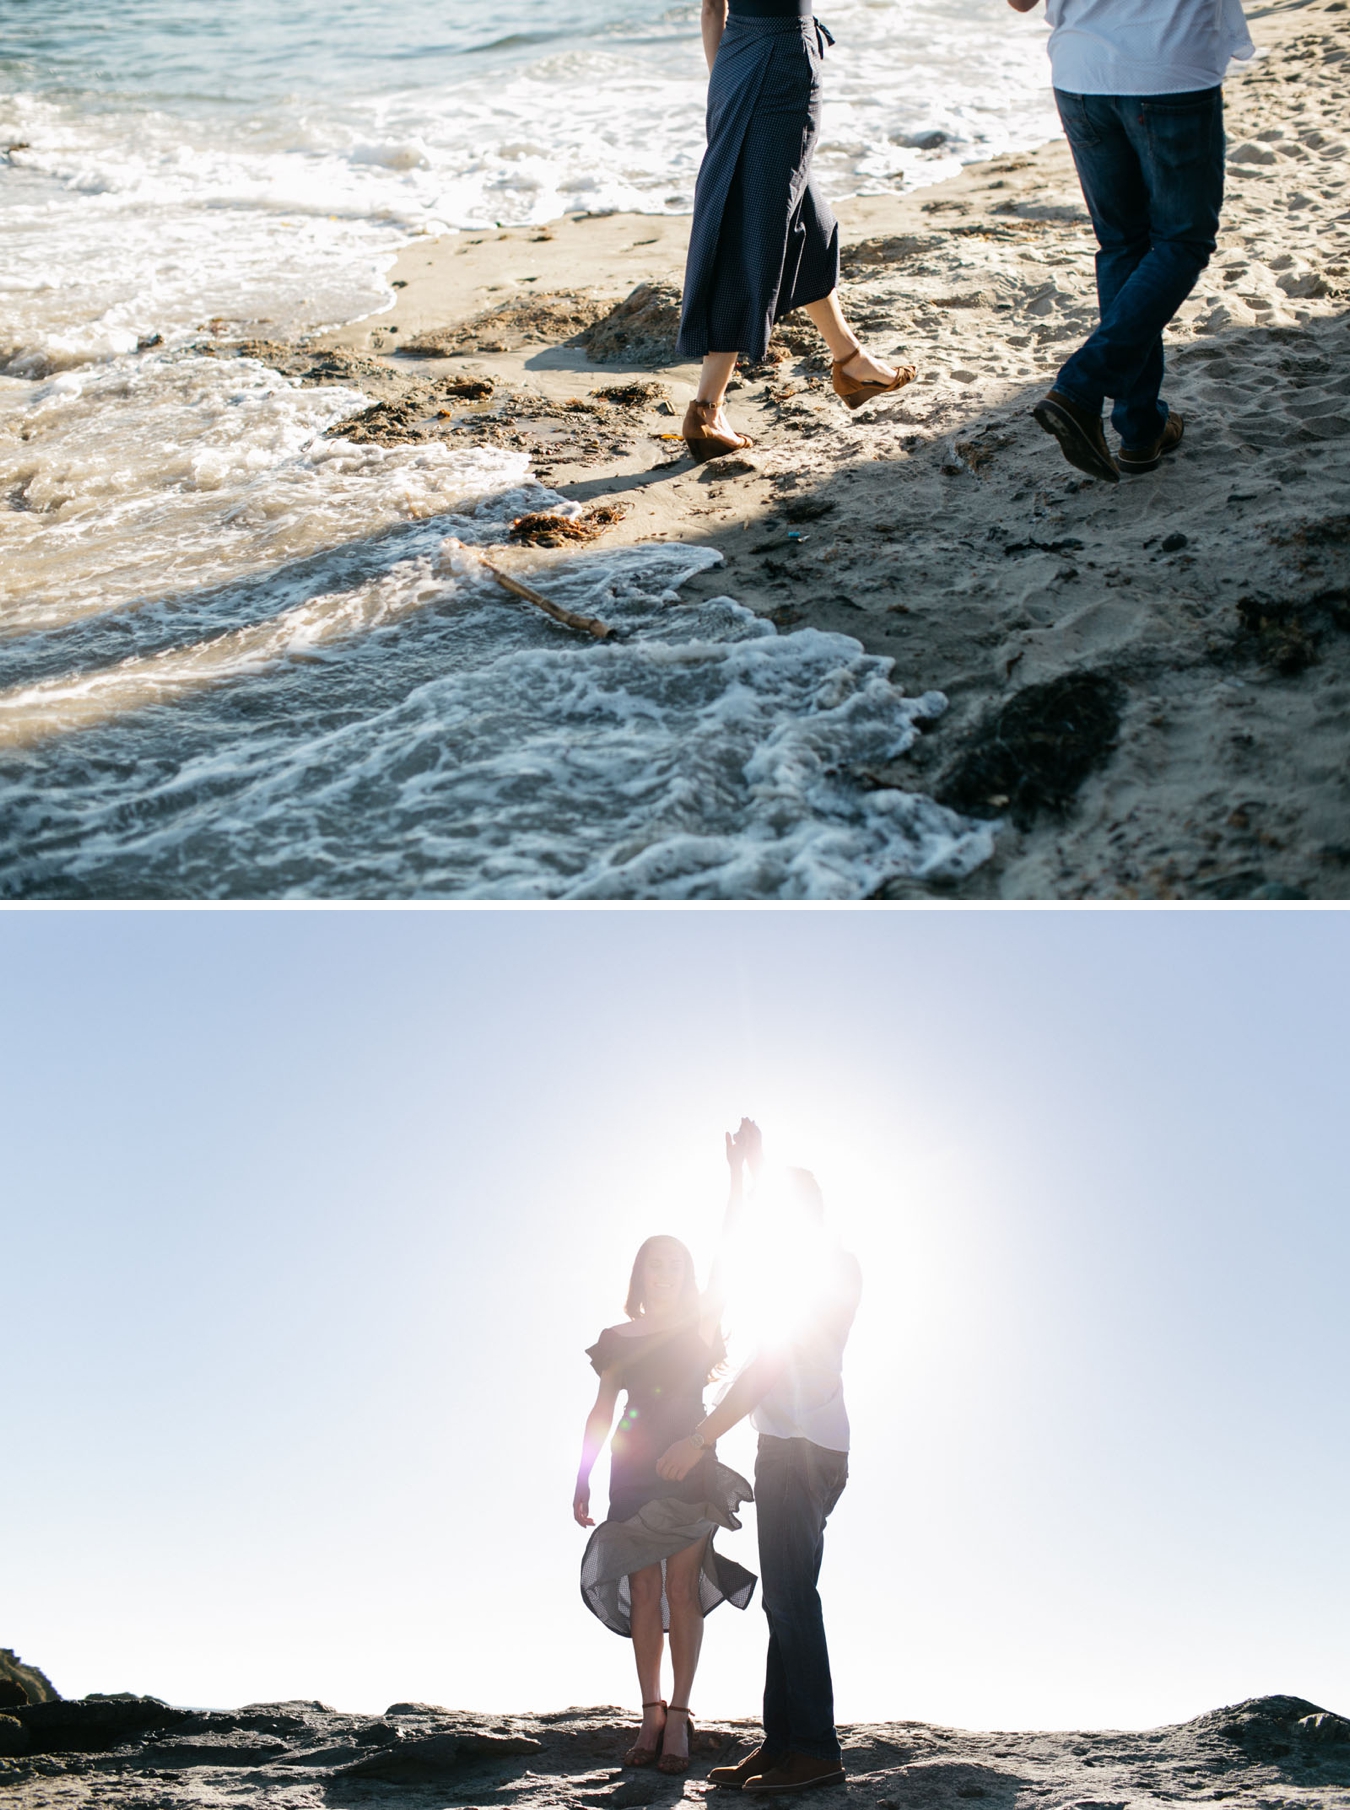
{"x":858,"y":363}
{"x":648,"y":1646}
{"x":686,"y":1638}
{"x":715,"y":376}
{"x":843,"y":342}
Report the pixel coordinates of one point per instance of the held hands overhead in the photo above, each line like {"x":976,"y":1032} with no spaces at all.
{"x":745,"y":1149}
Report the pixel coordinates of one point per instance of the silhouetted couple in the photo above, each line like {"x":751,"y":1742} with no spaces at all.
{"x":651,"y":1567}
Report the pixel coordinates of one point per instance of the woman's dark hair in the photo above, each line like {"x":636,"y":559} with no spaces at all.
{"x":689,"y":1295}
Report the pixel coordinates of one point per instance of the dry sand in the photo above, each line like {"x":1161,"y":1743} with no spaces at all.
{"x":1270,"y":1753}
{"x":1150,"y":683}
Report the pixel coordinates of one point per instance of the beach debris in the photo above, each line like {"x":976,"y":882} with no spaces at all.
{"x":389,"y":423}
{"x":523,"y":320}
{"x":641,"y":329}
{"x":1034,"y":752}
{"x":540,"y":529}
{"x":1287,"y":634}
{"x":806,"y":508}
{"x":462,"y":560}
{"x":636,"y":395}
{"x":468,"y":389}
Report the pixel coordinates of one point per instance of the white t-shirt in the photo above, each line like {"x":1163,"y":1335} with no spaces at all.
{"x":1144,"y":46}
{"x":807,"y":1402}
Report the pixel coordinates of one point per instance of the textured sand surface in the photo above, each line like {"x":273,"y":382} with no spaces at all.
{"x":1200,"y":615}
{"x":1271,"y":1753}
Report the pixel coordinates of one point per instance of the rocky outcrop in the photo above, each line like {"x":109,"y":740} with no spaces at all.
{"x":120,"y":1752}
{"x":20,"y":1683}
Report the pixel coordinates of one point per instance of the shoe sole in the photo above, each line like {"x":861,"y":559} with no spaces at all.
{"x":1073,"y":442}
{"x":1134,"y":466}
{"x":829,"y":1778}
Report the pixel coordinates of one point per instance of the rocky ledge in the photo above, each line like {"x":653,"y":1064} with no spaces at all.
{"x":137,"y":1753}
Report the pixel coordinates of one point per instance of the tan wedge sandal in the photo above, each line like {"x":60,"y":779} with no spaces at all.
{"x":703,"y":439}
{"x":645,"y":1756}
{"x":853,"y":392}
{"x":677,"y":1762}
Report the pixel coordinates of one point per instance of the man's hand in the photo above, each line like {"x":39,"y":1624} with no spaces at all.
{"x":676,"y":1463}
{"x":747,"y":1146}
{"x":581,"y":1506}
{"x":1024,"y":6}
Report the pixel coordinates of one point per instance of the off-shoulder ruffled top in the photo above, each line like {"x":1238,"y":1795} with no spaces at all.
{"x":664,"y":1375}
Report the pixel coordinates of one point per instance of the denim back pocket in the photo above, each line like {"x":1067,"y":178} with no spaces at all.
{"x":1075,"y":118}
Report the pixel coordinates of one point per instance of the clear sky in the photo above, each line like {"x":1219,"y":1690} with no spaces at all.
{"x":308,"y":1218}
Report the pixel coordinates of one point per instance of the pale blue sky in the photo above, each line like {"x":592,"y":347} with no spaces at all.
{"x":307,"y":1219}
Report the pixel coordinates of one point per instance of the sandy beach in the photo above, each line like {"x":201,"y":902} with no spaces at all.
{"x":1149,"y":684}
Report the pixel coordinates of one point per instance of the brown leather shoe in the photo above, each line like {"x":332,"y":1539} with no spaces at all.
{"x":854,"y":391}
{"x":1149,"y":458}
{"x":798,"y":1772}
{"x":703,"y":439}
{"x":1080,"y":435}
{"x":731,"y":1778}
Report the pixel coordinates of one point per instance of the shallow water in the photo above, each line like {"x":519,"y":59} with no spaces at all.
{"x":227,"y":666}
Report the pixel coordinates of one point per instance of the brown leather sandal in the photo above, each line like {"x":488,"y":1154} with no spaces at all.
{"x":677,"y":1762}
{"x":703,"y":440}
{"x":645,"y":1756}
{"x":853,"y":392}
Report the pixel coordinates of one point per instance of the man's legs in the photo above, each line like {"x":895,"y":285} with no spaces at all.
{"x":796,"y":1486}
{"x":1151,"y":170}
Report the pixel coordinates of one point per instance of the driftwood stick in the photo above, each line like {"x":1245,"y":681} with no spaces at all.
{"x":586,"y":625}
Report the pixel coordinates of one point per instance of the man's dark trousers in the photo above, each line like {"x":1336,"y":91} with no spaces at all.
{"x":796,"y":1486}
{"x":1151,"y":167}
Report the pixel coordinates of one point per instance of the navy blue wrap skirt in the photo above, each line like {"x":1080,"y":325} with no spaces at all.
{"x":763,"y":241}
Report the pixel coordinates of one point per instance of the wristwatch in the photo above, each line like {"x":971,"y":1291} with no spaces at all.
{"x":696,"y":1438}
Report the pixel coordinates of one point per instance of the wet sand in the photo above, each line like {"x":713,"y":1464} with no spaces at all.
{"x":1149,"y":682}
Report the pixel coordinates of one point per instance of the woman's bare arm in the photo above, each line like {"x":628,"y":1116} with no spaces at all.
{"x":598,"y":1423}
{"x":714,"y":22}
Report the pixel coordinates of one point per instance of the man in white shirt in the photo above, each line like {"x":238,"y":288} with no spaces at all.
{"x":794,"y":1393}
{"x":1138,"y":87}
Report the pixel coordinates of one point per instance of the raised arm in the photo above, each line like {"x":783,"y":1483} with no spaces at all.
{"x":713,"y":20}
{"x":598,"y":1423}
{"x":745,"y":1150}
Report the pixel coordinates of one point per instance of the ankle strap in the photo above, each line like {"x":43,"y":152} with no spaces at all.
{"x":656,"y":1703}
{"x":678,"y":1709}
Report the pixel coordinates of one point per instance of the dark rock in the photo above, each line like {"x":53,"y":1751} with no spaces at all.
{"x":1174,"y":543}
{"x":12,"y":1693}
{"x":95,"y":1724}
{"x":13,"y":1737}
{"x":36,"y":1686}
{"x":1035,"y":752}
{"x":1264,"y":1728}
{"x":416,"y":1709}
{"x":432,"y":1758}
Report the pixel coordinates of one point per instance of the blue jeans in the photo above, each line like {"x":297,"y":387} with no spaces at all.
{"x":796,"y":1485}
{"x":1151,"y":167}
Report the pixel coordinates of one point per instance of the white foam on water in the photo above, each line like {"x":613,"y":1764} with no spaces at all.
{"x":144,"y":211}
{"x":229,"y":664}
{"x":159,"y":475}
{"x":703,"y":756}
